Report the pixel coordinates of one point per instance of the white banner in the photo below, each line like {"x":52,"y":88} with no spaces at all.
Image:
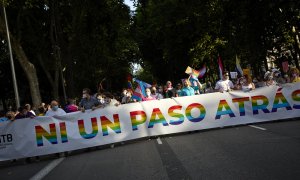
{"x":47,"y":135}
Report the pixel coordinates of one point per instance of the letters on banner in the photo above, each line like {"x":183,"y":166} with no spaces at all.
{"x":47,"y":135}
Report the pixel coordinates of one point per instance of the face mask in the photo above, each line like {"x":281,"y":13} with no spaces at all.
{"x":101,"y":100}
{"x":148,"y":93}
{"x":128,"y":95}
{"x":54,"y":108}
{"x":107,"y":100}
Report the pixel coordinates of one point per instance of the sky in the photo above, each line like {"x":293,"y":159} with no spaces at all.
{"x":130,"y":4}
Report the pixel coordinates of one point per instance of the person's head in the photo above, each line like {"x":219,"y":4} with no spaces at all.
{"x":178,"y":86}
{"x":107,"y":96}
{"x":10,"y":115}
{"x":160,"y":89}
{"x":268,"y":76}
{"x":148,"y":92}
{"x":54,"y":105}
{"x":28,"y":107}
{"x":124,"y":92}
{"x":41,"y":109}
{"x":86,"y":93}
{"x":169,"y":84}
{"x":153,"y":90}
{"x":294,"y":72}
{"x":186,"y":83}
{"x":100,"y":98}
{"x":225,"y":75}
{"x":129,"y":93}
{"x":71,"y":101}
{"x":23,"y":110}
{"x":247,"y":79}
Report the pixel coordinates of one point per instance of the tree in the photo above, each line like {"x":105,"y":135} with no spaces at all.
{"x":27,"y":66}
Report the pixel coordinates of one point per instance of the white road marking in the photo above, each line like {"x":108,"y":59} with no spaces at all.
{"x":46,"y":170}
{"x":159,"y":140}
{"x":257,"y":127}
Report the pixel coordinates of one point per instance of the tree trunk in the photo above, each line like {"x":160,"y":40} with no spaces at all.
{"x":26,"y":65}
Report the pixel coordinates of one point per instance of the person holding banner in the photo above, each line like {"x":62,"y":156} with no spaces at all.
{"x":224,"y":85}
{"x":187,"y":90}
{"x":3,"y":117}
{"x":148,"y":96}
{"x":24,"y":113}
{"x":294,"y":75}
{"x":155,"y":94}
{"x":247,"y":84}
{"x":88,"y":101}
{"x":55,"y":110}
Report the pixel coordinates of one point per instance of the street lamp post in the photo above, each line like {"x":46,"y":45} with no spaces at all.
{"x":11,"y":61}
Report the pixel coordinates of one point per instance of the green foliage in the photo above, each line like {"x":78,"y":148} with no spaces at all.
{"x":96,"y":40}
{"x":173,"y":34}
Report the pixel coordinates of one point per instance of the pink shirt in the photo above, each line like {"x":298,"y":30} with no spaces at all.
{"x":148,"y":98}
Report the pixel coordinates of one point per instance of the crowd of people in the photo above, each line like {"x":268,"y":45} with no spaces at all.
{"x":188,"y":87}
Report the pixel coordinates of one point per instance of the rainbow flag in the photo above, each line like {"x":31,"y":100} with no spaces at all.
{"x":129,"y":80}
{"x":192,"y":72}
{"x":221,"y":69}
{"x":202,"y":71}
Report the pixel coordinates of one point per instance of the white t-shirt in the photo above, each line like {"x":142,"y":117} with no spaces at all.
{"x":58,"y":112}
{"x":224,"y":85}
{"x":247,"y":88}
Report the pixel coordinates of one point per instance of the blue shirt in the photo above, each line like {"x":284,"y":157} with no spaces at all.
{"x":2,"y":119}
{"x":187,"y":91}
{"x":89,"y":103}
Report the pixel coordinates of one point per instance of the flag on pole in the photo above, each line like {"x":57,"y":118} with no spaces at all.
{"x":202,"y":71}
{"x":140,"y":90}
{"x":238,"y":66}
{"x":221,"y":69}
{"x":129,"y":80}
{"x":189,"y":70}
{"x":195,"y":73}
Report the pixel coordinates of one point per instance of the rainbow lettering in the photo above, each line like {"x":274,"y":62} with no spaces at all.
{"x":188,"y":112}
{"x":82,"y":130}
{"x":115,"y":126}
{"x":263,"y":106}
{"x":161,"y":119}
{"x":63,"y":132}
{"x":223,"y":104}
{"x":40,"y":132}
{"x":241,"y":103}
{"x":177,"y":115}
{"x":134,"y":121}
{"x":296,"y":97}
{"x":279,"y":97}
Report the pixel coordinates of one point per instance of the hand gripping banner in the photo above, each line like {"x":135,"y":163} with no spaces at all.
{"x":47,"y":135}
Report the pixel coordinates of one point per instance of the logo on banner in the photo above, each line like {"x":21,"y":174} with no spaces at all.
{"x":5,"y":140}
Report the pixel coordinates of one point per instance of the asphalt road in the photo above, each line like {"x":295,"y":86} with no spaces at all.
{"x":263,"y":151}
